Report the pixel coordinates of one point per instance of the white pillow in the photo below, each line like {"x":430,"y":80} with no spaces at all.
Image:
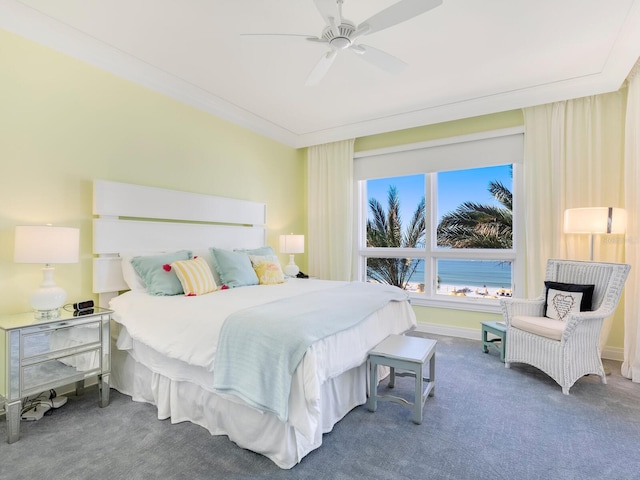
{"x":131,"y":277}
{"x":561,"y":303}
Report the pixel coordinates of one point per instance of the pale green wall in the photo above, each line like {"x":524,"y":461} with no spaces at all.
{"x":64,"y":123}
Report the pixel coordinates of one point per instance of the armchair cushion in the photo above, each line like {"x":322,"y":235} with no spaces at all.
{"x":543,"y":326}
{"x":564,"y":298}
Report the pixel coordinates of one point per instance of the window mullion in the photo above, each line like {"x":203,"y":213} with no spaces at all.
{"x":393,"y":252}
{"x":431,"y":189}
{"x":473,"y":254}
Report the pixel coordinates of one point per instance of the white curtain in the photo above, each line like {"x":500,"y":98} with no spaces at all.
{"x":330,"y":207}
{"x":573,"y":158}
{"x":543,"y":190}
{"x":631,"y":363}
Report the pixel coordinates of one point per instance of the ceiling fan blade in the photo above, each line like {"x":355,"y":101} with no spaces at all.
{"x":328,"y":9}
{"x":331,"y":11}
{"x":309,"y":38}
{"x":321,"y":68}
{"x":397,"y":13}
{"x":380,"y":59}
{"x":312,"y":38}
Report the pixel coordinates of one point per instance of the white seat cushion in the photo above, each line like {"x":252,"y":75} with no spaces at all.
{"x":543,"y":326}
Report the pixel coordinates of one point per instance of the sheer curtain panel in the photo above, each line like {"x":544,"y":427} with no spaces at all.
{"x":631,"y":363}
{"x":330,"y":205}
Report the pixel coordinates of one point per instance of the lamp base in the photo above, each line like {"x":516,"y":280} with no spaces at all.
{"x":47,"y":300}
{"x":46,"y":314}
{"x":291,"y":269}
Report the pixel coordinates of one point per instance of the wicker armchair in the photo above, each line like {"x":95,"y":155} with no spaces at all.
{"x":565,"y":349}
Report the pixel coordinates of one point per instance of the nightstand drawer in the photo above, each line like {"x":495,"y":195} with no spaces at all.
{"x":41,"y":375}
{"x":49,"y":341}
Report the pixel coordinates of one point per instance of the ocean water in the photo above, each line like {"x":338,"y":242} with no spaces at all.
{"x":469,"y":273}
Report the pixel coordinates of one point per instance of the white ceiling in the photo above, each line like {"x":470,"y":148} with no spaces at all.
{"x":465,"y":57}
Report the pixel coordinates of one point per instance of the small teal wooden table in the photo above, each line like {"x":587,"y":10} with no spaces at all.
{"x":404,"y":353}
{"x":498,"y":329}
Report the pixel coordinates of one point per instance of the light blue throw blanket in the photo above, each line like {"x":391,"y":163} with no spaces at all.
{"x":259,"y":348}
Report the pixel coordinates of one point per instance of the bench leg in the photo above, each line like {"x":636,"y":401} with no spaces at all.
{"x":419,"y":398}
{"x":372,"y":403}
{"x":484,"y":340}
{"x":432,"y":375}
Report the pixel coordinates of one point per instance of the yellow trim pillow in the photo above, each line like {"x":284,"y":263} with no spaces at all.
{"x":267,"y":269}
{"x":195,"y":276}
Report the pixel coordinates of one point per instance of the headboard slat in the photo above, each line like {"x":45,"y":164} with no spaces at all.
{"x":138,"y":201}
{"x":118,"y":236}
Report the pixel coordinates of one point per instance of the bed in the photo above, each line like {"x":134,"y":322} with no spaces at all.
{"x":171,"y":350}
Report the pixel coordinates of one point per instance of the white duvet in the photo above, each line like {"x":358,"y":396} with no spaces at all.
{"x":165,"y":333}
{"x":187,"y":328}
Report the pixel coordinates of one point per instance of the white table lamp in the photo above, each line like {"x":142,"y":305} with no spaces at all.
{"x":46,"y":244}
{"x":291,"y":244}
{"x":595,"y":220}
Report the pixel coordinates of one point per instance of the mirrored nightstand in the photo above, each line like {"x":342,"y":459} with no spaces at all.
{"x":38,"y":355}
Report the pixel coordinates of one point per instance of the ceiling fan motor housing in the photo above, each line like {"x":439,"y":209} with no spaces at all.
{"x":342,"y":40}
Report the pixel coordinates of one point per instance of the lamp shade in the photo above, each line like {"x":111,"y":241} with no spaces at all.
{"x":595,"y":220}
{"x":46,"y":244}
{"x":292,"y":243}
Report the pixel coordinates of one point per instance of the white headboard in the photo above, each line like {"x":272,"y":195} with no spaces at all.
{"x":135,"y":218}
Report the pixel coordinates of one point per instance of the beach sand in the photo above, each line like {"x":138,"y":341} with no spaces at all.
{"x":464,"y":291}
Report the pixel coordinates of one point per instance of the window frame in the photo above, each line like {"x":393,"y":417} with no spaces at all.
{"x":431,"y":253}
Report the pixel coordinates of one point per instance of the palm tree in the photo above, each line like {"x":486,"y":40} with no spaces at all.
{"x":473,"y":225}
{"x":384,"y":229}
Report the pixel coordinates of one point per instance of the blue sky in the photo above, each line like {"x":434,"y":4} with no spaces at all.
{"x":454,"y":187}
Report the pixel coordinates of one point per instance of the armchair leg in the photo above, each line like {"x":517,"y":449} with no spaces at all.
{"x":507,"y":365}
{"x":565,"y":390}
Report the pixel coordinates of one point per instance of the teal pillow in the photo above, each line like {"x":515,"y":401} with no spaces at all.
{"x":157,"y":280}
{"x":234,"y":268}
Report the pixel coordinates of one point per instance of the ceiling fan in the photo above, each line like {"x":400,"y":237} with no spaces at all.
{"x":341,"y":34}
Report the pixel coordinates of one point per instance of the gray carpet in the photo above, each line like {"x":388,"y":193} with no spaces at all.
{"x":484,"y":422}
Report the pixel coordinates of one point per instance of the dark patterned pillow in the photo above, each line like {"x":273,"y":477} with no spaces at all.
{"x":564,"y":298}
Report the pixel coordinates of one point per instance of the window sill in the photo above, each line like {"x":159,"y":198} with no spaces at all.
{"x":467,"y":304}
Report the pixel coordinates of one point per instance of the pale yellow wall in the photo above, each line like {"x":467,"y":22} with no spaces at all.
{"x":484,"y":123}
{"x":64,"y":123}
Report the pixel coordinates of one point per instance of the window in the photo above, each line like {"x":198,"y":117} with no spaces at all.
{"x":443,"y":226}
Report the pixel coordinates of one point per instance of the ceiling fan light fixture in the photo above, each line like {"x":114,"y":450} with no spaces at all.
{"x":340,"y":43}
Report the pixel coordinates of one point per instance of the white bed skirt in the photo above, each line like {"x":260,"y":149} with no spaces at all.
{"x":249,"y":428}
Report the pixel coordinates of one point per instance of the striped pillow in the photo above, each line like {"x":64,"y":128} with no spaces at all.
{"x":195,"y":276}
